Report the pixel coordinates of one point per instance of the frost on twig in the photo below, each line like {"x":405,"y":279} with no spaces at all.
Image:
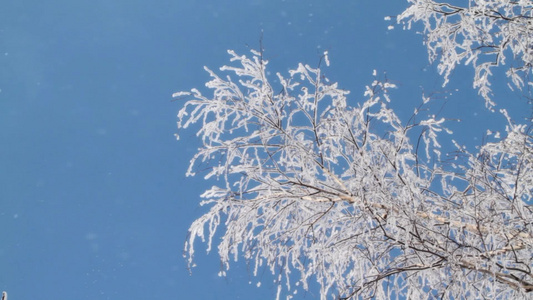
{"x":316,"y":189}
{"x":484,"y":33}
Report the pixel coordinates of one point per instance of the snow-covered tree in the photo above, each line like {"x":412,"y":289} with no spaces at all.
{"x":354,"y":198}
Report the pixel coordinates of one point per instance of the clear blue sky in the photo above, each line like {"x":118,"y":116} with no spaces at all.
{"x":94,"y":203}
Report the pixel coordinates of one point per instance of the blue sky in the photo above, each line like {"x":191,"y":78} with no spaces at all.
{"x":94,"y":202}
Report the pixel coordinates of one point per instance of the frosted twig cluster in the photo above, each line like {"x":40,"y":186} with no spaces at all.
{"x":484,"y":33}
